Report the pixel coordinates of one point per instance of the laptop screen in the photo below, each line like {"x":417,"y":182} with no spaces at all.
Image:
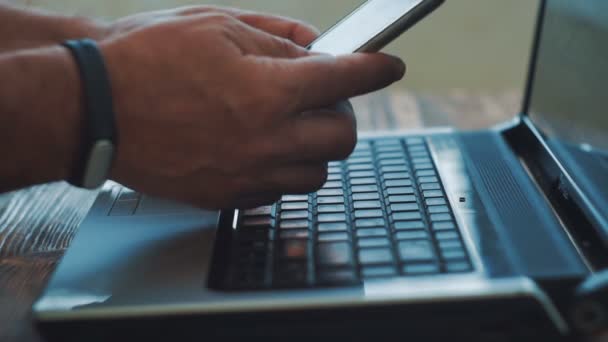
{"x":569,"y":95}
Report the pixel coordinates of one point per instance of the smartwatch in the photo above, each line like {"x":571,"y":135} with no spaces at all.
{"x":98,"y":146}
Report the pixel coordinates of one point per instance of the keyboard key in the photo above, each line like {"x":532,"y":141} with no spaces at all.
{"x":294,"y":234}
{"x":408,"y":215}
{"x":387,"y":142}
{"x":438,"y":209}
{"x":373,"y":242}
{"x":295,"y":198}
{"x":453,"y":254}
{"x":332,"y":236}
{"x":445,"y":225}
{"x":366,"y":196}
{"x":294,"y":214}
{"x":364,"y":188}
{"x":430,"y":186}
{"x":367,"y":205}
{"x":334,"y":177}
{"x":421,"y":268}
{"x":394,"y":162}
{"x":293,"y":273}
{"x":371,"y":232}
{"x":416,"y":250}
{"x":426,"y":173}
{"x":335,"y":208}
{"x":416,"y":148}
{"x":362,"y":145}
{"x":362,"y":174}
{"x":401,"y":199}
{"x":421,"y":160}
{"x":332,"y":227}
{"x":389,"y":155}
{"x":334,"y":170}
{"x":419,"y":154}
{"x":397,"y":183}
{"x":334,"y":217}
{"x":447,"y":235}
{"x":390,"y":148}
{"x":370,"y":222}
{"x":330,"y":200}
{"x":334,"y":253}
{"x":375,"y":256}
{"x":411,"y":235}
{"x":404,"y":207}
{"x":432,"y":193}
{"x":393,"y":168}
{"x":414,"y":141}
{"x":360,"y":167}
{"x":367,"y":160}
{"x":457,"y":266}
{"x":333,"y":185}
{"x":336,"y":277}
{"x":265,"y":221}
{"x":363,"y":181}
{"x":293,"y":224}
{"x":440,"y":217}
{"x":423,"y":166}
{"x":451,"y":243}
{"x":428,"y":180}
{"x":378,"y":271}
{"x":293,"y":250}
{"x":334,"y":164}
{"x":435,"y":201}
{"x":409,"y":225}
{"x":261,"y":211}
{"x":330,"y":192}
{"x":294,"y":206}
{"x":396,"y":175}
{"x":368,"y":213}
{"x":400,"y":191}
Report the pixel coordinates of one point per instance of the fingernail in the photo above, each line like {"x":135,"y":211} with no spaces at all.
{"x":401,"y":67}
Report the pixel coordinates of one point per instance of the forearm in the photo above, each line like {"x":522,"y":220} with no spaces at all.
{"x":40,"y":105}
{"x":30,"y":28}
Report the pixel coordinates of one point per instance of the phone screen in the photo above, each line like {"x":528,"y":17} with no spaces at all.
{"x":365,"y":23}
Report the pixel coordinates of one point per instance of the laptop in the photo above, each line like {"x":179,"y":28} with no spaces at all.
{"x":437,"y":233}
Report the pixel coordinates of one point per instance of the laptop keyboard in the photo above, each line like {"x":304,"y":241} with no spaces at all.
{"x":382,"y":213}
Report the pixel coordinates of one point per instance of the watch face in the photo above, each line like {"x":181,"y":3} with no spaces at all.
{"x":98,"y":165}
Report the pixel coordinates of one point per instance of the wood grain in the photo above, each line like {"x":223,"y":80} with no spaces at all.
{"x":38,"y":223}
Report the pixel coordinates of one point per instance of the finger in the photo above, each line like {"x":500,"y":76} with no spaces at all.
{"x":319,"y":81}
{"x":319,"y":136}
{"x":297,"y":179}
{"x":294,"y":30}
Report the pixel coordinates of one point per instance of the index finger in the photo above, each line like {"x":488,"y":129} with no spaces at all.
{"x":319,"y":81}
{"x":297,"y":31}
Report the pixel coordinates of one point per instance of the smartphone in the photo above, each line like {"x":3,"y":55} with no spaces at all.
{"x":373,"y":25}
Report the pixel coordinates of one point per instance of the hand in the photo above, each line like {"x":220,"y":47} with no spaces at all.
{"x":224,"y":112}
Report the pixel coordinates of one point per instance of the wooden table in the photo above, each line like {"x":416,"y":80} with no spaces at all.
{"x":38,"y":223}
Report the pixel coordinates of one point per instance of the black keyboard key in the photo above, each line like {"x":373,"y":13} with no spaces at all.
{"x":294,"y":206}
{"x":333,"y":185}
{"x":294,"y":198}
{"x":421,"y":268}
{"x":366,"y":196}
{"x":378,"y":271}
{"x":396,"y":175}
{"x":264,"y":221}
{"x":421,"y":160}
{"x":364,"y":160}
{"x":291,"y":274}
{"x":409,"y":225}
{"x":371,"y":232}
{"x":336,"y":277}
{"x":294,"y":234}
{"x":416,"y":251}
{"x":369,"y":256}
{"x":453,"y":243}
{"x":334,"y":254}
{"x":394,"y":162}
{"x":432,"y":193}
{"x":330,"y":200}
{"x":334,"y":170}
{"x":404,"y":207}
{"x":445,"y":225}
{"x":438,"y":209}
{"x":430,"y":186}
{"x":261,"y":211}
{"x":362,"y":174}
{"x":332,"y":227}
{"x":426,"y":173}
{"x":363,"y":181}
{"x":335,"y":208}
{"x":367,"y":205}
{"x":334,"y":177}
{"x":394,"y":168}
{"x":368,"y":213}
{"x":370,"y":222}
{"x":402,"y":199}
{"x":408,"y":215}
{"x":447,"y":235}
{"x":360,"y":167}
{"x":400,"y":191}
{"x":440,"y":217}
{"x":428,"y":180}
{"x":423,"y":166}
{"x":373,"y":242}
{"x":334,"y":217}
{"x":435,"y":201}
{"x":389,"y":155}
{"x":332,"y":236}
{"x":290,"y":250}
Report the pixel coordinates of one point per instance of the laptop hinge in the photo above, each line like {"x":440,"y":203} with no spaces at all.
{"x":535,"y":156}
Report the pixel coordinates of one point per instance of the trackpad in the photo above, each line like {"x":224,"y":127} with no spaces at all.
{"x":156,"y":206}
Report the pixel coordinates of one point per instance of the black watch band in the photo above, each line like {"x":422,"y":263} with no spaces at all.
{"x":98,"y":146}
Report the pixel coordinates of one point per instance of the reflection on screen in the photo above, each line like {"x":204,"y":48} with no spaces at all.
{"x":368,"y":21}
{"x":570,"y":93}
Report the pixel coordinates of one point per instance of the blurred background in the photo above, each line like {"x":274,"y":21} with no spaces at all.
{"x":478,"y":47}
